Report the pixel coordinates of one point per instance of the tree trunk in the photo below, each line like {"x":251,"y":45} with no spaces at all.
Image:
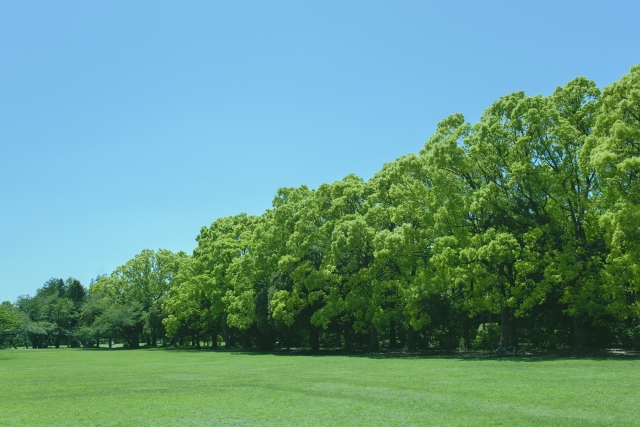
{"x":246,"y":340}
{"x":392,"y":335}
{"x":513,"y":334}
{"x":153,"y":340}
{"x":57,"y":345}
{"x":402,"y":332}
{"x":313,"y":337}
{"x":411,"y":341}
{"x":231,"y":339}
{"x":505,"y":327}
{"x":465,"y":332}
{"x":214,"y":340}
{"x":338,"y":340}
{"x":373,"y":342}
{"x":578,"y":332}
{"x":348,"y":337}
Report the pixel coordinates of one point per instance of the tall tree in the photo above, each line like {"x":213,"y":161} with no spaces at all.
{"x":313,"y":276}
{"x":257,"y":276}
{"x":490,"y":255}
{"x":145,"y":279}
{"x":204,"y":280}
{"x":615,"y":153}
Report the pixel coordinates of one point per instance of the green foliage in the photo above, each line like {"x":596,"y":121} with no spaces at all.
{"x":487,"y":336}
{"x":8,"y":317}
{"x":616,"y":156}
{"x":129,"y":302}
{"x":46,"y":318}
{"x":198,"y":303}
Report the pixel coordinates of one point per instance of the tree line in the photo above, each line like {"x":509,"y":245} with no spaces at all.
{"x":521,"y":229}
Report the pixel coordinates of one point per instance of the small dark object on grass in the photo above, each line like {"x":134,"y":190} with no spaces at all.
{"x":503,"y":351}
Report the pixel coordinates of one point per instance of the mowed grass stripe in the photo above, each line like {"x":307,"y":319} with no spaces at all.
{"x":191,"y":388}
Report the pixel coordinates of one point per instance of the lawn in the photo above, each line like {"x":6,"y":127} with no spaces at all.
{"x":203,"y":388}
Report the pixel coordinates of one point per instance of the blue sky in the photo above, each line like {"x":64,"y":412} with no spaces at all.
{"x":130,"y":125}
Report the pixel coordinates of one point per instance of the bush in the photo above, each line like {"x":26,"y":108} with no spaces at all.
{"x":488,"y":335}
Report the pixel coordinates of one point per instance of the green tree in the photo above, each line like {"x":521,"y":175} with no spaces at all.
{"x":314,"y":277}
{"x":35,"y":327}
{"x":411,"y":208}
{"x":141,"y":283}
{"x":8,"y":317}
{"x":257,"y":276}
{"x":10,"y":326}
{"x":197,"y":301}
{"x":492,"y":256}
{"x":124,"y":320}
{"x":614,"y":150}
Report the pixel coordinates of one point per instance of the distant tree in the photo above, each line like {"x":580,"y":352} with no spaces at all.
{"x":35,"y":325}
{"x":10,"y":325}
{"x":8,"y":316}
{"x":136,"y":288}
{"x":53,"y":287}
{"x":61,"y":301}
{"x":197,"y":302}
{"x":75,"y":291}
{"x":124,"y":320}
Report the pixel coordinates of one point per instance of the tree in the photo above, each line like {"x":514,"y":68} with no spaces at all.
{"x":198,"y":300}
{"x":314,"y":276}
{"x":10,"y":326}
{"x":8,"y":317}
{"x":491,"y":255}
{"x":75,"y":291}
{"x":121,"y":319}
{"x":614,"y":150}
{"x":404,"y":211}
{"x":577,"y":251}
{"x":257,"y":276}
{"x":140,"y":284}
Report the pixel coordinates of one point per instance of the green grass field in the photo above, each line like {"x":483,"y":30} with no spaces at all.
{"x":203,"y":388}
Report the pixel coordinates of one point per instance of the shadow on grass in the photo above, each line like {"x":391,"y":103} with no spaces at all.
{"x":527,"y":356}
{"x":523,"y":356}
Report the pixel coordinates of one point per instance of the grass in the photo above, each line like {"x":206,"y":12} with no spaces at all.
{"x":204,"y":388}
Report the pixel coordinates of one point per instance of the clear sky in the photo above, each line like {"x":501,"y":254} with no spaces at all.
{"x":130,"y":125}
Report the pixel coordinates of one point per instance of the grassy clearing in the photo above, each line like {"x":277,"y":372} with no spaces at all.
{"x":193,"y":388}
